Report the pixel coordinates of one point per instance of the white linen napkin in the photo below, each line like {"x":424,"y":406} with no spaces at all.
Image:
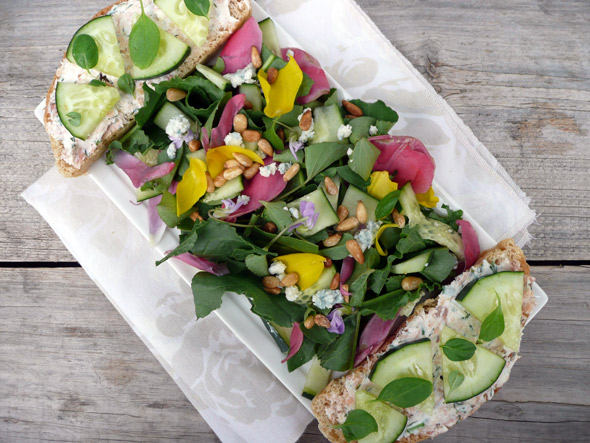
{"x":204,"y":357}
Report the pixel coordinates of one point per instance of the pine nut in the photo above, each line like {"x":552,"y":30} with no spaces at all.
{"x":347,"y":224}
{"x":352,"y":109}
{"x":196,"y":216}
{"x":256,"y":60}
{"x":194,"y":145}
{"x":331,"y":187}
{"x":265,"y":146}
{"x":270,"y":282}
{"x":335,"y":283}
{"x":269,"y":227}
{"x":251,"y":171}
{"x":250,"y":135}
{"x":355,"y":250}
{"x":350,"y":117}
{"x":411,"y":283}
{"x":231,"y":173}
{"x":322,"y":321}
{"x":305,"y":121}
{"x":274,"y":291}
{"x":328,"y":262}
{"x":399,"y":219}
{"x":271,"y":75}
{"x":332,"y":240}
{"x":247,"y":105}
{"x":240,"y":123}
{"x":309,"y":322}
{"x":219,"y":181}
{"x":174,"y":94}
{"x":231,"y":163}
{"x":210,"y":184}
{"x":291,"y":172}
{"x":281,"y":134}
{"x":290,"y":279}
{"x":342,"y":212}
{"x":242,"y":159}
{"x":361,"y":212}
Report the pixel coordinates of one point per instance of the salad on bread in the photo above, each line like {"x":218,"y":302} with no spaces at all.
{"x":285,"y":191}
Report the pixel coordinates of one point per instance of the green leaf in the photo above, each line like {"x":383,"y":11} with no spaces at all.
{"x":387,"y":204}
{"x":219,"y":65}
{"x":290,"y":118}
{"x":74,"y":118}
{"x":378,"y":110}
{"x":458,"y":349}
{"x":338,"y":252}
{"x":321,"y":155}
{"x":358,"y":424}
{"x":456,"y":379}
{"x":410,"y":241}
{"x":450,"y":217}
{"x":85,"y":51}
{"x":271,"y":134}
{"x":338,"y":355}
{"x":305,"y":354}
{"x":318,"y":334}
{"x":126,"y":84}
{"x":274,"y":212}
{"x":360,"y":128}
{"x":153,"y":102}
{"x":198,"y":7}
{"x":286,"y":156}
{"x":440,"y":265}
{"x":493,"y":324}
{"x":346,"y":174}
{"x":257,"y":265}
{"x":406,"y":392}
{"x":167,"y":210}
{"x":97,"y":83}
{"x":364,"y":156}
{"x":387,"y":305}
{"x":144,"y":41}
{"x":305,"y":87}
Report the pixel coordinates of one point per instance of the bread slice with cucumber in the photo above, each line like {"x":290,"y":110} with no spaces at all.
{"x":452,"y":344}
{"x":86,"y":110}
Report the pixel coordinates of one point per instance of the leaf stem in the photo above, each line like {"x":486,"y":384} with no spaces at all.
{"x":279,"y":235}
{"x":238,"y":225}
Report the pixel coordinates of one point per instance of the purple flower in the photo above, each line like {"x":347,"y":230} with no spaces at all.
{"x":306,"y":209}
{"x":229,"y":206}
{"x":190,"y":135}
{"x":295,"y":146}
{"x":336,"y":322}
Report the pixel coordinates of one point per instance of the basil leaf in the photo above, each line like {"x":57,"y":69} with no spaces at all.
{"x":198,"y":7}
{"x":126,"y":84}
{"x":493,"y":324}
{"x":144,"y":41}
{"x":97,"y":83}
{"x":74,"y":118}
{"x":458,"y":349}
{"x":387,"y":204}
{"x":358,"y":424}
{"x":406,"y":392}
{"x":364,"y":156}
{"x":321,"y":155}
{"x":85,"y":51}
{"x":378,"y":110}
{"x":455,"y":380}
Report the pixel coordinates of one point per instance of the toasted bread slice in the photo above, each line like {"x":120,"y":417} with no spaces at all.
{"x":334,"y":403}
{"x":74,"y":156}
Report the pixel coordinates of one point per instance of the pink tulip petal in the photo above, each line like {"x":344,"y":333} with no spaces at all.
{"x":203,"y":264}
{"x":408,"y":158}
{"x":205,"y":138}
{"x":156,"y":225}
{"x":347,"y":268}
{"x":296,"y":341}
{"x":138,"y":172}
{"x":470,"y":243}
{"x":233,"y":106}
{"x":237,"y":52}
{"x":374,"y":335}
{"x":310,"y":66}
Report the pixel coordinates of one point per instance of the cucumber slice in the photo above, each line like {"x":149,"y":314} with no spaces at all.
{"x":253,"y":95}
{"x":147,"y":194}
{"x":316,"y":380}
{"x":200,"y":154}
{"x":352,"y":197}
{"x":214,"y":77}
{"x":414,"y":264}
{"x":280,"y":334}
{"x":480,"y":371}
{"x":481,"y":299}
{"x":269,"y":36}
{"x":171,"y":54}
{"x":194,"y":26}
{"x":333,"y":199}
{"x":390,"y":422}
{"x":167,"y":112}
{"x":327,"y":215}
{"x":409,"y":360}
{"x":231,"y":189}
{"x":93,"y":103}
{"x":102,"y":30}
{"x":323,"y":283}
{"x":326,"y":121}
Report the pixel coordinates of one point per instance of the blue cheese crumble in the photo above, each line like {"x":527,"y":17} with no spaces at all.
{"x":365,"y":237}
{"x":245,"y":75}
{"x":326,"y":298}
{"x":373,"y":130}
{"x":234,"y":139}
{"x":292,"y":293}
{"x":284,"y":167}
{"x":171,"y":151}
{"x":344,"y":131}
{"x":178,"y":126}
{"x":268,"y":170}
{"x":277,"y":268}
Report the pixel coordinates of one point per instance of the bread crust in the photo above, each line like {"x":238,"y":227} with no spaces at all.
{"x":240,"y":10}
{"x":342,"y":390}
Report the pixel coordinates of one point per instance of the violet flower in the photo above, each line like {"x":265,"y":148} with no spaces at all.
{"x":336,"y":322}
{"x":229,"y":206}
{"x":189,"y":136}
{"x":306,"y":209}
{"x":295,"y":146}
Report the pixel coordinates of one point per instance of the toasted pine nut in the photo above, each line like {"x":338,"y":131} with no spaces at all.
{"x":270,"y":282}
{"x":355,"y":250}
{"x":335,"y":283}
{"x":274,"y":291}
{"x":210,"y":184}
{"x":344,"y":288}
{"x":250,"y":135}
{"x":240,"y":123}
{"x":322,"y":321}
{"x":196,"y":216}
{"x":291,"y":172}
{"x":256,"y":60}
{"x":347,"y":224}
{"x":251,"y":171}
{"x":352,"y":109}
{"x":232,"y":163}
{"x":305,"y":120}
{"x":247,"y":105}
{"x":308,"y":323}
{"x":328,"y":262}
{"x":194,"y":145}
{"x":399,"y":219}
{"x":361,"y":212}
{"x":242,"y":159}
{"x":281,"y":134}
{"x":174,"y":94}
{"x":332,"y":240}
{"x":290,"y":279}
{"x":350,"y":116}
{"x":346,"y":297}
{"x":231,"y":173}
{"x":219,"y":181}
{"x":271,"y":75}
{"x":342,"y":212}
{"x":265,"y":146}
{"x":331,"y":187}
{"x":411,"y":283}
{"x":269,"y":227}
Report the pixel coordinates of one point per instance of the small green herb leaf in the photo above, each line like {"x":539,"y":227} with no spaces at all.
{"x":455,"y":380}
{"x":493,"y":324}
{"x":458,"y":349}
{"x":406,"y":392}
{"x":364,"y":156}
{"x":144,"y":41}
{"x":387,"y":204}
{"x":198,"y":7}
{"x":85,"y":51}
{"x":126,"y":84}
{"x":74,"y":118}
{"x":97,"y":83}
{"x":358,"y":425}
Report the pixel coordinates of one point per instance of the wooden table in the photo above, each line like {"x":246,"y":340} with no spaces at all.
{"x":518,"y":73}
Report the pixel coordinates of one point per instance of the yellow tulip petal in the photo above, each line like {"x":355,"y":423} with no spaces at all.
{"x":216,"y":157}
{"x":280,"y":96}
{"x":381,"y":184}
{"x":378,"y":236}
{"x":192,"y":186}
{"x":309,"y":267}
{"x":427,"y":199}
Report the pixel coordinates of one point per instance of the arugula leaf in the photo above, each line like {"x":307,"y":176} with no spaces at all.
{"x":287,"y":156}
{"x":321,"y":155}
{"x":338,"y":355}
{"x":383,"y":127}
{"x":332,"y":98}
{"x":410,"y":241}
{"x":387,"y":305}
{"x":144,"y":41}
{"x":126,"y":84}
{"x":359,"y":423}
{"x":364,"y":156}
{"x":85,"y":51}
{"x":378,"y":109}
{"x":167,"y":210}
{"x":394,"y":282}
{"x":440,"y":265}
{"x":74,"y":118}
{"x":305,"y":354}
{"x":257,"y":265}
{"x":493,"y":324}
{"x":198,"y":7}
{"x":406,"y":392}
{"x":456,"y":379}
{"x":186,"y":240}
{"x":290,"y":118}
{"x":450,"y":218}
{"x":200,"y":90}
{"x":97,"y":83}
{"x":360,"y":128}
{"x":274,"y":212}
{"x":153,"y":102}
{"x":288,"y":244}
{"x":318,"y":334}
{"x":387,"y":204}
{"x":458,"y":349}
{"x":379,"y":277}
